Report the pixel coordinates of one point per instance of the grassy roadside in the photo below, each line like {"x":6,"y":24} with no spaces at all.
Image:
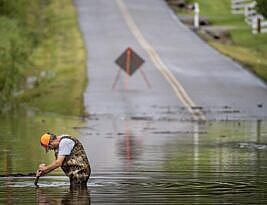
{"x":243,"y":46}
{"x":58,"y":64}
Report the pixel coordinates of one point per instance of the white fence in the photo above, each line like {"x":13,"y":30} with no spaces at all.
{"x":259,"y":25}
{"x":248,"y":9}
{"x":250,"y":12}
{"x":238,"y":6}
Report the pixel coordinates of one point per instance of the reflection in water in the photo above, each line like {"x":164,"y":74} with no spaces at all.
{"x":78,"y":195}
{"x":129,"y":147}
{"x":140,"y":160}
{"x":20,"y":135}
{"x":7,"y":169}
{"x":259,"y":131}
{"x":196,"y":147}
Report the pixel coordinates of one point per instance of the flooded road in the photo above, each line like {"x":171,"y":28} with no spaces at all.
{"x":148,"y":145}
{"x":141,"y":161}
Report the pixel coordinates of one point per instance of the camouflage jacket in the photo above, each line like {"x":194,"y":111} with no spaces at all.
{"x":76,"y":165}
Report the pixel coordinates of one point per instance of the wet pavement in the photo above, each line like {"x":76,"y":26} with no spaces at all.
{"x":183,"y":71}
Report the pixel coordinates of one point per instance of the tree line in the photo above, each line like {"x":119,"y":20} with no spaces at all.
{"x":262,"y":7}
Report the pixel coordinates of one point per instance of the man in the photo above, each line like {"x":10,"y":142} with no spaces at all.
{"x":70,"y":156}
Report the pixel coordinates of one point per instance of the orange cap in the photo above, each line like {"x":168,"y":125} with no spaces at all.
{"x":45,"y":138}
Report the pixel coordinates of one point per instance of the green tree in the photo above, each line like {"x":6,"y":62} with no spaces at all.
{"x":262,"y":7}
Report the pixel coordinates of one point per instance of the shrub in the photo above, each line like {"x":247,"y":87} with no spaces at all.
{"x":22,"y":26}
{"x":14,"y":51}
{"x":262,"y":7}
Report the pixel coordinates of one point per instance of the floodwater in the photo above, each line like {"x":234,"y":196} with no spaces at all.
{"x":138,"y":160}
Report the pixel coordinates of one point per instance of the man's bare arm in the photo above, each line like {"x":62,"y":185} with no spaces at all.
{"x":43,"y":169}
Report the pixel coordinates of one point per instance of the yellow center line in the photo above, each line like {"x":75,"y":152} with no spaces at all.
{"x":175,"y":84}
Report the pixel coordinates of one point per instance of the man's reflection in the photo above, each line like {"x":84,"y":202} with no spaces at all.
{"x":76,"y":195}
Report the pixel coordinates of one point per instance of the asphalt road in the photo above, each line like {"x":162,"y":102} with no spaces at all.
{"x":188,"y":78}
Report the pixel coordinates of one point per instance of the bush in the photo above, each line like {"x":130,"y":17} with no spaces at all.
{"x":262,"y":7}
{"x":22,"y":26}
{"x":14,"y":51}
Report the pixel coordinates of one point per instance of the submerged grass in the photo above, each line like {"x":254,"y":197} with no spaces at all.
{"x":243,"y":46}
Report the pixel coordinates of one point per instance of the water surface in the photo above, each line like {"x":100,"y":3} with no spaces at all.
{"x":139,"y":160}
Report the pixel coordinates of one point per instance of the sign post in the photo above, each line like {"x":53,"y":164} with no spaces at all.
{"x":196,"y":16}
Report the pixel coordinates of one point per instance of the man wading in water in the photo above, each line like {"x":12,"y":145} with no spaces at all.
{"x":70,"y":156}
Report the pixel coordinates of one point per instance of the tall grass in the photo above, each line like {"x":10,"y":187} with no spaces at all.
{"x":20,"y":31}
{"x":41,"y":40}
{"x":59,"y":63}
